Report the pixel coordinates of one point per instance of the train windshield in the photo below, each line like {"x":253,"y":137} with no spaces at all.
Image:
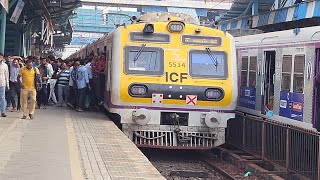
{"x":144,"y":60}
{"x":211,"y":64}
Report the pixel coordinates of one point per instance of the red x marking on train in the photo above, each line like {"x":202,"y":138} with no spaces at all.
{"x":191,"y":100}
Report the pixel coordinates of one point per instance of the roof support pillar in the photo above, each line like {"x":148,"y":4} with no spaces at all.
{"x":277,"y":4}
{"x":3,"y":30}
{"x":255,"y":7}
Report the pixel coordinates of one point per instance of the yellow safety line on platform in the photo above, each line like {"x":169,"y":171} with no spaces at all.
{"x":76,"y":171}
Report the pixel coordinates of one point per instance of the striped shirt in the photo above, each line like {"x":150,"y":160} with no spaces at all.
{"x":64,"y":77}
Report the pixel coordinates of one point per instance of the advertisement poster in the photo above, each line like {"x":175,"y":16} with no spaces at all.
{"x":247,"y":97}
{"x":291,"y":105}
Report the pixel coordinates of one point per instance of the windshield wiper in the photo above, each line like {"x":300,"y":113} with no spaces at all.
{"x":213,"y":58}
{"x":139,"y":53}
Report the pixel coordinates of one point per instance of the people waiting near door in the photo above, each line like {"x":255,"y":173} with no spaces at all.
{"x":80,"y":78}
{"x":63,"y":83}
{"x":52,"y":82}
{"x":45,"y":74}
{"x":98,"y":67}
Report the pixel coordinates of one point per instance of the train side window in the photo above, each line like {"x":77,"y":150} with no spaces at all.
{"x":252,"y":71}
{"x":286,"y":72}
{"x":244,"y":71}
{"x":298,"y":74}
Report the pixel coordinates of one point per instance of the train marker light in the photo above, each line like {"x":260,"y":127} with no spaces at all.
{"x":148,"y":29}
{"x":138,"y":90}
{"x":175,"y":26}
{"x":214,"y":94}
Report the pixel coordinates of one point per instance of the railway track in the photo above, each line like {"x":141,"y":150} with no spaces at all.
{"x":180,"y":164}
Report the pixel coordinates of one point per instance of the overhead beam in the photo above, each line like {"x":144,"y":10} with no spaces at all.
{"x":218,"y":4}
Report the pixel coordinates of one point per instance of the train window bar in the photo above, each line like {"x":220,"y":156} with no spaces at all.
{"x":213,"y":58}
{"x":139,"y":53}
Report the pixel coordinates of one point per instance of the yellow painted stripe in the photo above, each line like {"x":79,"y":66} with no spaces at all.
{"x":75,"y":163}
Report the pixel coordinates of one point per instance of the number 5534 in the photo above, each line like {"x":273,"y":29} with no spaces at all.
{"x":176,"y":64}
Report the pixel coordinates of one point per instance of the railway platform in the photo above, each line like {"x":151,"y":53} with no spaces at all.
{"x":66,"y":145}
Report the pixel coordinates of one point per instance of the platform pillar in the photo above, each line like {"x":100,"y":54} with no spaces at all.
{"x":3,"y":30}
{"x":255,"y":7}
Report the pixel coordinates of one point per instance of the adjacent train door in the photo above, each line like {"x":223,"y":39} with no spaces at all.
{"x":268,"y":83}
{"x":316,"y":110}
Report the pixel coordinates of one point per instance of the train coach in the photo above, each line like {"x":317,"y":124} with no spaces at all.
{"x":173,"y":82}
{"x":279,"y":76}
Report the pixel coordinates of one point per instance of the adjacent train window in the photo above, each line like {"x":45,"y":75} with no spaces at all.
{"x":298,"y":74}
{"x":206,"y":63}
{"x":286,"y":72}
{"x":248,"y":71}
{"x":143,"y":60}
{"x":244,"y":71}
{"x":252,"y":71}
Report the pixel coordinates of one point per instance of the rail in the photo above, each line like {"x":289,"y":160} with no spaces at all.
{"x":295,"y":149}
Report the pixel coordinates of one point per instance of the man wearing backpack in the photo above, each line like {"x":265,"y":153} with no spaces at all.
{"x":31,"y":82}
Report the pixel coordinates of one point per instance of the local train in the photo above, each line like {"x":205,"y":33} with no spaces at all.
{"x":173,"y":82}
{"x":279,"y":76}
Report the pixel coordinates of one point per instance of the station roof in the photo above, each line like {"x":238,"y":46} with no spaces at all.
{"x":300,"y":15}
{"x":243,"y":7}
{"x":57,"y":14}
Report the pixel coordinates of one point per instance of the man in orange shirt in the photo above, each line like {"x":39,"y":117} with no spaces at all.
{"x":28,"y":88}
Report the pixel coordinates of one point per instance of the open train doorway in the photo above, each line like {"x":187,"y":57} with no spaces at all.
{"x":269,"y":77}
{"x":316,"y":110}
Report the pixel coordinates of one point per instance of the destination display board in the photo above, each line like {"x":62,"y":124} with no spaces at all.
{"x":201,"y":40}
{"x":154,"y":37}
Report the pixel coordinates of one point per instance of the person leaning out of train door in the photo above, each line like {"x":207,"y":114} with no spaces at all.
{"x":98,"y":69}
{"x":90,"y":96}
{"x":4,"y":85}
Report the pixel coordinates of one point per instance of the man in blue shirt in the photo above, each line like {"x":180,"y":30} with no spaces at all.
{"x":80,"y":78}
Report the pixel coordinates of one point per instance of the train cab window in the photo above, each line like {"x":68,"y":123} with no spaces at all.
{"x":252,"y":71}
{"x":207,"y":63}
{"x":244,"y":71}
{"x":286,"y":72}
{"x":298,"y":74}
{"x":144,"y":60}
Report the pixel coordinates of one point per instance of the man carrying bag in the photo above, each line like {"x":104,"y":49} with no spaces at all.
{"x":31,"y":83}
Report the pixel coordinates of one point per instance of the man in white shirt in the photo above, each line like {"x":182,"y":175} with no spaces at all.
{"x":4,"y":85}
{"x":91,"y":99}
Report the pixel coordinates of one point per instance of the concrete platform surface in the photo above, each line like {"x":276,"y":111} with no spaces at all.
{"x":62,"y":144}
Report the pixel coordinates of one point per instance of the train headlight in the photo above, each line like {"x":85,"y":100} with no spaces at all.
{"x":214,"y":94}
{"x":148,"y":28}
{"x":175,"y":26}
{"x":138,"y":90}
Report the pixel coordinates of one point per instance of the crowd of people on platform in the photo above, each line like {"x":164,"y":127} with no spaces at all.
{"x":76,"y":83}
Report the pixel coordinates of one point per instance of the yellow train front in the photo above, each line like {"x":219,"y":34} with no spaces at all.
{"x":173,"y":82}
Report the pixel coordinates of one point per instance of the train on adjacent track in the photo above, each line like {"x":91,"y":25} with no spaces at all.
{"x":280,"y":76}
{"x":173,"y":82}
